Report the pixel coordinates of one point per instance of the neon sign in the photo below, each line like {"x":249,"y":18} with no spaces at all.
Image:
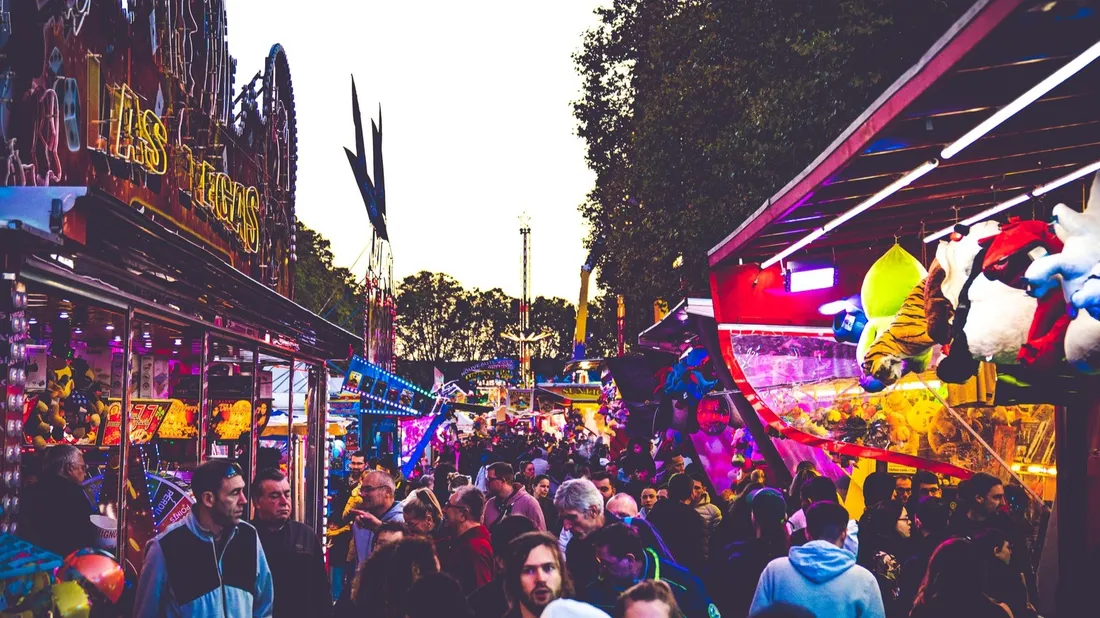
{"x":140,"y":137}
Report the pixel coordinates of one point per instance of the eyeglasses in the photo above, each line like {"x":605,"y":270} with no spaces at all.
{"x":455,"y":506}
{"x":908,"y":519}
{"x":366,"y":489}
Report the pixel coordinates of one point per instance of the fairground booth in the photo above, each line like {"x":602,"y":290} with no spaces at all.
{"x":147,"y":249}
{"x":924,"y":293}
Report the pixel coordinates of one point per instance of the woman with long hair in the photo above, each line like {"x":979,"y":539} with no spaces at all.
{"x":423,"y":515}
{"x":389,"y":574}
{"x":954,"y":585}
{"x":884,"y":532}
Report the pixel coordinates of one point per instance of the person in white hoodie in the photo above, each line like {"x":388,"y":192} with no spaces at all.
{"x":821,"y":576}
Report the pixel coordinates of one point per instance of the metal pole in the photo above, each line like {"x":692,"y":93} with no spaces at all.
{"x":204,"y":394}
{"x":291,"y":467}
{"x":254,"y":437}
{"x":124,"y":435}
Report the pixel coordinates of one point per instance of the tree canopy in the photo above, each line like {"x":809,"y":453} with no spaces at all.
{"x":328,"y":290}
{"x":440,"y":320}
{"x":695,"y":112}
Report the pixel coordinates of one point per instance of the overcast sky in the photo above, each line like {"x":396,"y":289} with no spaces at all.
{"x":477,"y":127}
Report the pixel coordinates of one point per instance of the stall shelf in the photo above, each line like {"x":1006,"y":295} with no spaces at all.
{"x":996,"y":119}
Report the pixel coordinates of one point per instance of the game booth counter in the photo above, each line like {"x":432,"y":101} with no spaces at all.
{"x":925,"y":292}
{"x":147,"y":236}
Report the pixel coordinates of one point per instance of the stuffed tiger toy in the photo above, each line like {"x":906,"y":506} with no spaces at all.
{"x":904,"y":345}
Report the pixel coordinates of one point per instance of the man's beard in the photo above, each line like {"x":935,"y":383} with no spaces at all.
{"x":533,"y":606}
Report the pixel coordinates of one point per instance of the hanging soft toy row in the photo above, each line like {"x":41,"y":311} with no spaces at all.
{"x":1023,"y":293}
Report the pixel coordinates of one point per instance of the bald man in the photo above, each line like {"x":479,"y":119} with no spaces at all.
{"x":623,"y":506}
{"x":371,"y":505}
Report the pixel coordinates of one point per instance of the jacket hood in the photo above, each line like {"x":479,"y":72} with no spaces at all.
{"x":821,"y":561}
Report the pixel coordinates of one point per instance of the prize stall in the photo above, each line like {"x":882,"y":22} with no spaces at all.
{"x":147,"y":238}
{"x":925,"y":292}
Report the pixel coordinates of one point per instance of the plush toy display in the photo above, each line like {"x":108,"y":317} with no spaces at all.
{"x":885,"y":289}
{"x":904,"y":346}
{"x":1008,"y":255}
{"x":1080,"y":233}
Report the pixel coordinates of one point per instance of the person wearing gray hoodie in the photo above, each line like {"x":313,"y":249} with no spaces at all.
{"x":821,"y":576}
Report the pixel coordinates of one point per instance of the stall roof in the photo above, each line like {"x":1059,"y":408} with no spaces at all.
{"x":993,"y":54}
{"x":677,"y":328}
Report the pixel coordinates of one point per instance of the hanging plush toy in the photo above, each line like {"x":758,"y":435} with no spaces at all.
{"x":686,"y":378}
{"x":904,"y":346}
{"x":1008,"y":255}
{"x":1080,"y":233}
{"x":886,"y":286}
{"x":1088,"y":297}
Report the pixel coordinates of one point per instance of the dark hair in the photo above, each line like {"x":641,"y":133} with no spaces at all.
{"x":268,"y":457}
{"x":977,"y":486}
{"x":391,"y":526}
{"x":266,"y":474}
{"x":516,"y":556}
{"x":600,"y":475}
{"x":438,"y":594}
{"x":619,"y":539}
{"x":506,"y":530}
{"x":932,"y":516}
{"x":209,"y":476}
{"x":503,"y":470}
{"x":471,"y":498}
{"x":955,"y":577}
{"x":924,"y":477}
{"x":878,"y":487}
{"x":680,"y":487}
{"x":390,"y":572}
{"x":878,"y":531}
{"x":359,"y":454}
{"x":538,"y":479}
{"x":648,"y":590}
{"x":803,"y":474}
{"x":826,"y":521}
{"x":819,"y":489}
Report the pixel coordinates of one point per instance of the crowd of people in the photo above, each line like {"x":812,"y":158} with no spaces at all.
{"x":527,"y":526}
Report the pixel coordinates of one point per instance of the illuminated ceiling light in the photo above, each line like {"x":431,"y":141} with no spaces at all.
{"x":1023,"y":101}
{"x":64,"y":315}
{"x":985,"y":214}
{"x":178,"y":341}
{"x":78,"y":330}
{"x":806,"y":280}
{"x":1065,"y":180}
{"x":889,"y":190}
{"x":32,"y":321}
{"x":1019,"y":199}
{"x":109,"y":326}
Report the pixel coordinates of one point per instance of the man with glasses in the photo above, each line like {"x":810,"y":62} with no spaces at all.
{"x":467,"y":553}
{"x":509,"y":498}
{"x":374,"y":506}
{"x":211,"y":564}
{"x":55,"y":512}
{"x":928,"y":485}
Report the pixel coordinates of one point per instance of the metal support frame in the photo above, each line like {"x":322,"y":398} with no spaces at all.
{"x":124,"y":435}
{"x":204,"y":395}
{"x":1071,"y":433}
{"x":253,"y":433}
{"x":290,"y":450}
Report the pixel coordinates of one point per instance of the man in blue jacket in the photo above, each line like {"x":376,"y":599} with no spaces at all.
{"x":821,"y":576}
{"x":212,"y":564}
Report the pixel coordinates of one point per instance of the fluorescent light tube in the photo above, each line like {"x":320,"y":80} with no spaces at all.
{"x":816,"y":279}
{"x":1068,"y":178}
{"x":814,"y":235}
{"x":981,"y":216}
{"x":1023,"y":101}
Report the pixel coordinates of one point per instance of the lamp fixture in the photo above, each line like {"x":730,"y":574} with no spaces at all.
{"x":1027,"y":98}
{"x":109,"y":326}
{"x":1019,"y":199}
{"x":855,"y":211}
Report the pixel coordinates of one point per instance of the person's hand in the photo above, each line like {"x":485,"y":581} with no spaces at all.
{"x":363,"y":519}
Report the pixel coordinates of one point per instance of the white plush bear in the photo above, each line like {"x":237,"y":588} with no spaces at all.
{"x":1080,"y":232}
{"x":999,"y":320}
{"x":1088,"y":296}
{"x":1000,"y":316}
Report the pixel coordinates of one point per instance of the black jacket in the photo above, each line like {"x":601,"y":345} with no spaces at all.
{"x":55,"y":516}
{"x":682,"y":530}
{"x":736,"y":571}
{"x":489,"y":601}
{"x":690,"y":594}
{"x":297,"y":570}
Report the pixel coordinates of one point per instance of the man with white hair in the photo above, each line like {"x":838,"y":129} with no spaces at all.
{"x":55,"y":513}
{"x":372,"y":504}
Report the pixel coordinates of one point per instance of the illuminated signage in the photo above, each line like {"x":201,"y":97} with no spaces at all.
{"x":150,"y":118}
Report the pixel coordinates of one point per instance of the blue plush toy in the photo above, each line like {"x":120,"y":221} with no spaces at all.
{"x":685,"y":378}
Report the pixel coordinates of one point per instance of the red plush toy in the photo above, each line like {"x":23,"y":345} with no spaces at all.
{"x":1008,"y":256}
